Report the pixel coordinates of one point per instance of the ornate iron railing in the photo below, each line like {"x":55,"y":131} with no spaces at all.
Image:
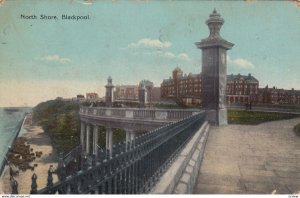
{"x":134,"y":168}
{"x":73,"y":154}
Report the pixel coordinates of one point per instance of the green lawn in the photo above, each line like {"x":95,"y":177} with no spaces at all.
{"x":254,"y":117}
{"x":297,"y":129}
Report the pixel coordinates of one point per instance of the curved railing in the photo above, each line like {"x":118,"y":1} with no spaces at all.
{"x":130,"y":170}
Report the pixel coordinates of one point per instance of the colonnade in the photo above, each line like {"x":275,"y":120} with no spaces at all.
{"x":85,"y":138}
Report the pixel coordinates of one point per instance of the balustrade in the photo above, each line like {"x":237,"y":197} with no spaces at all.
{"x":134,"y":113}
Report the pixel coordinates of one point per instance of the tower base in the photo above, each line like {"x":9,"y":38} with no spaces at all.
{"x":217,"y":117}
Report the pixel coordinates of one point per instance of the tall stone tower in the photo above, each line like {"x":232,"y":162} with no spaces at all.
{"x":214,"y":71}
{"x":142,"y":95}
{"x":109,"y":98}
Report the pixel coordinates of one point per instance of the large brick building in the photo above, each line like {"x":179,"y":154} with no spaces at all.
{"x":126,"y":92}
{"x":187,"y":88}
{"x":278,"y":96}
{"x":182,"y":87}
{"x":240,"y":89}
{"x":131,"y":92}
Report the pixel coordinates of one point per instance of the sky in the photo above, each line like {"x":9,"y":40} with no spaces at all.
{"x":135,"y":40}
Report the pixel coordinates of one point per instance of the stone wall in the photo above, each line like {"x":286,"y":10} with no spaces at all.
{"x":180,"y":178}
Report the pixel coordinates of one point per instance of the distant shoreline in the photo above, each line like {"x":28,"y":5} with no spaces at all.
{"x":20,"y":107}
{"x":20,"y":127}
{"x":49,"y":157}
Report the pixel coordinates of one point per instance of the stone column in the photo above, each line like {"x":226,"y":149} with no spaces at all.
{"x":95,"y":140}
{"x":82,"y":134}
{"x":106,"y":140}
{"x":129,"y":137}
{"x":88,"y":129}
{"x":109,"y":140}
{"x":132,"y":136}
{"x":214,"y":71}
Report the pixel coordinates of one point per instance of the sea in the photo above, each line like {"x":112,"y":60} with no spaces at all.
{"x":11,"y":120}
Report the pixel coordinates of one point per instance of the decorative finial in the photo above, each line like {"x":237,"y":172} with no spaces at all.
{"x":109,"y":82}
{"x":75,"y":167}
{"x":215,"y":11}
{"x":85,"y":163}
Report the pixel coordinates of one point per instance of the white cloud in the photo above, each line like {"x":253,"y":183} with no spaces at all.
{"x":55,"y":58}
{"x":241,"y":63}
{"x":147,"y":42}
{"x":155,"y":43}
{"x":170,"y":55}
{"x":184,"y":56}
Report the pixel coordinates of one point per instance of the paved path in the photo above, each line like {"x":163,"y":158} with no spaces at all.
{"x":242,"y":159}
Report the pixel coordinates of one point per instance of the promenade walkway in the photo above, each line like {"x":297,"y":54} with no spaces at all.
{"x":243,"y":159}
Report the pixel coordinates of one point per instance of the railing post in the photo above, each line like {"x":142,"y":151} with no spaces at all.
{"x":75,"y":167}
{"x":14,"y":187}
{"x":33,"y":184}
{"x":94,"y":160}
{"x":50,"y":179}
{"x":62,"y":175}
{"x":85,"y":163}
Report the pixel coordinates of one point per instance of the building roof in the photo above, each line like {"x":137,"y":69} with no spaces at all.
{"x":146,"y":83}
{"x":232,"y":77}
{"x":168,"y":80}
{"x":248,"y":77}
{"x":177,"y":69}
{"x":281,"y":91}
